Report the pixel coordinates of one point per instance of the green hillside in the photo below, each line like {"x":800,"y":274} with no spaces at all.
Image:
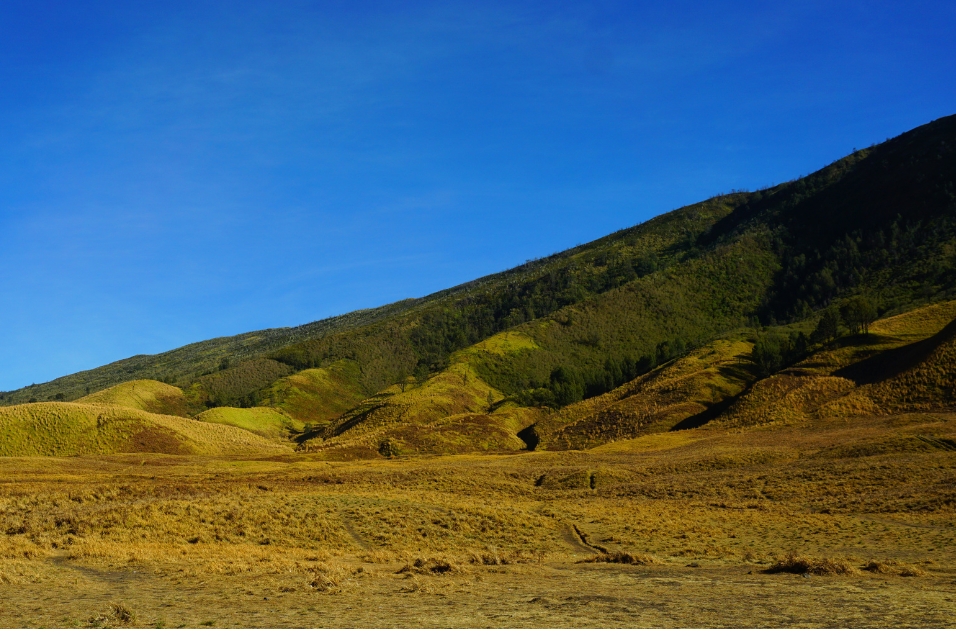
{"x":184,"y":365}
{"x":690,"y":319}
{"x":260,"y":420}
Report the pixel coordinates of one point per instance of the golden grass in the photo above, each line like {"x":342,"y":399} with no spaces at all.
{"x":503,"y":344}
{"x":794,"y":563}
{"x":260,"y":541}
{"x":783,"y":399}
{"x":264,"y":421}
{"x":146,"y":395}
{"x":917,"y":324}
{"x":67,"y":429}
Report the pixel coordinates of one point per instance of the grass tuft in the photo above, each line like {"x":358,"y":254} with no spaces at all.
{"x":429,"y":566}
{"x":794,"y":563}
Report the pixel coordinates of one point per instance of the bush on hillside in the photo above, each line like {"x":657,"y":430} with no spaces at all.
{"x":858,"y":313}
{"x":773,"y":351}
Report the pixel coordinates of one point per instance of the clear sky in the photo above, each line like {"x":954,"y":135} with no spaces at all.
{"x":175,"y":171}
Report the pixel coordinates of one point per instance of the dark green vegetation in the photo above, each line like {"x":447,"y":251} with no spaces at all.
{"x":184,"y":365}
{"x":799,"y":265}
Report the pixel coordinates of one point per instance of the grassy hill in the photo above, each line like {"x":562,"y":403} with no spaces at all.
{"x":315,"y":396}
{"x":67,"y":429}
{"x":905,"y":364}
{"x":146,"y":395}
{"x":263,"y":421}
{"x":646,"y":329}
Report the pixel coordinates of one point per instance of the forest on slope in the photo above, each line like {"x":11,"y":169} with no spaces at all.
{"x":876,"y":228}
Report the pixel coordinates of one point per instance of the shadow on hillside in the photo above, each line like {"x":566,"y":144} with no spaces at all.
{"x":696,"y":421}
{"x":887,"y":364}
{"x":529,"y":436}
{"x":744,"y":372}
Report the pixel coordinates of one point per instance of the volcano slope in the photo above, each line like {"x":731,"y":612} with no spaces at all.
{"x":740,"y":413}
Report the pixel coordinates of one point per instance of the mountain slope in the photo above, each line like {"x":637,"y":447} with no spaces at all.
{"x":482,"y":358}
{"x":833,"y":383}
{"x":182,"y":365}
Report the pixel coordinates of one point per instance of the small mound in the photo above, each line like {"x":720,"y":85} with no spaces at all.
{"x":262,"y":421}
{"x":893,"y":567}
{"x":69,"y":429}
{"x":798,"y":564}
{"x":146,"y":395}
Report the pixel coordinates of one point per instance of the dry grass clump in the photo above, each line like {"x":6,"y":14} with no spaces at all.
{"x":494,"y":557}
{"x":912,"y":570}
{"x":330,"y":578}
{"x":794,"y":563}
{"x":893,"y":567}
{"x":416,"y":585}
{"x":877,"y":567}
{"x":118,"y":615}
{"x":622,"y":557}
{"x":430,"y":566}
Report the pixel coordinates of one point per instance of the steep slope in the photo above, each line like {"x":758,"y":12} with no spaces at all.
{"x":146,"y":395}
{"x":59,"y":429}
{"x":685,"y":277}
{"x":669,"y":397}
{"x":905,"y":364}
{"x":878,"y":224}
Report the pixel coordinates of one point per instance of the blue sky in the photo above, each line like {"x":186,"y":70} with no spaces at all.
{"x":175,"y":171}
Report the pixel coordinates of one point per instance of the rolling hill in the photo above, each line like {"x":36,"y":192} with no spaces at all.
{"x":62,"y":430}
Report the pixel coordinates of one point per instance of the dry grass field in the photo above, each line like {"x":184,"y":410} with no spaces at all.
{"x":699,"y":421}
{"x":830,"y":523}
{"x":695,"y":495}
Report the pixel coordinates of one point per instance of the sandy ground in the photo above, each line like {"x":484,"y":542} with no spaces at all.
{"x":546,"y":595}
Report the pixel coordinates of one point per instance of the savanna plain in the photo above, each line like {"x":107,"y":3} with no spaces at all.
{"x":668,"y":530}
